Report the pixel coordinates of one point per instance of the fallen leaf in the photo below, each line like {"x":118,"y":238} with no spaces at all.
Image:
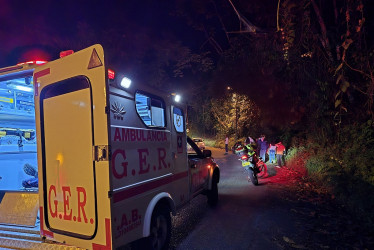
{"x":298,"y":246}
{"x":288,"y":240}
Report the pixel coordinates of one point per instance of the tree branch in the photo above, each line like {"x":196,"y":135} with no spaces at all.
{"x":324,"y":40}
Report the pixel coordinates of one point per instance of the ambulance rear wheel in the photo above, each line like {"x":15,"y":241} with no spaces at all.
{"x":160,"y":230}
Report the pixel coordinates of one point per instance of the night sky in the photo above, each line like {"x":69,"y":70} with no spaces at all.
{"x":140,"y":37}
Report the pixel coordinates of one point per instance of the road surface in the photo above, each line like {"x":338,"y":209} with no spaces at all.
{"x":263,"y":217}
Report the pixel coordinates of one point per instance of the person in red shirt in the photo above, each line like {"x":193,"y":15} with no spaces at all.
{"x":280,"y":151}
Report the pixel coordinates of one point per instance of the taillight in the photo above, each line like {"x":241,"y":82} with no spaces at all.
{"x":111,"y":74}
{"x":244,"y":157}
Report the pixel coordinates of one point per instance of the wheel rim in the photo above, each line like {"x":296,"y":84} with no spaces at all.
{"x":159,"y":232}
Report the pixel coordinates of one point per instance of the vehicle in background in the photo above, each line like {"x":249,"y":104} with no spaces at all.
{"x":200,"y":143}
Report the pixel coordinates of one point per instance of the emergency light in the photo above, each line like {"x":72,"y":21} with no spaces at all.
{"x":37,"y":62}
{"x":125,"y":82}
{"x":177,"y":98}
{"x":111,"y":74}
{"x":66,"y":53}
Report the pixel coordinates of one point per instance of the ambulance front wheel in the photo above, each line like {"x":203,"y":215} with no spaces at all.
{"x":213,"y":193}
{"x":160,"y":230}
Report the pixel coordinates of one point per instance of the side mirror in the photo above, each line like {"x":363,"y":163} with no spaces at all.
{"x":207,"y":153}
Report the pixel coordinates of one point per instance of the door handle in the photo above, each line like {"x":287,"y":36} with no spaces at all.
{"x":101,"y":152}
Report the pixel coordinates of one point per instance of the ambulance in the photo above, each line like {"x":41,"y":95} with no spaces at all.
{"x":92,"y":159}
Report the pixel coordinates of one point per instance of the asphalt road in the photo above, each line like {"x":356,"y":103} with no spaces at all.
{"x":260,"y":217}
{"x":240,"y":221}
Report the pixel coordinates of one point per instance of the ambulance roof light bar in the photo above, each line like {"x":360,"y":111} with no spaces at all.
{"x":37,"y":62}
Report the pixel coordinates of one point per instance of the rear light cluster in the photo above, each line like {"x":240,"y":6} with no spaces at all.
{"x":244,"y":157}
{"x":111,"y":74}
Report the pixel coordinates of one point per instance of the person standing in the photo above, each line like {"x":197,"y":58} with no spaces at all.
{"x":227,"y":144}
{"x":249,"y":140}
{"x":263,"y":146}
{"x":271,"y":152}
{"x":280,"y":150}
{"x":20,"y":144}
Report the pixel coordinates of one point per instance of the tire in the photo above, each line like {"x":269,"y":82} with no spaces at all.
{"x":213,"y":193}
{"x":160,"y":230}
{"x":253,"y":177}
{"x":263,"y":171}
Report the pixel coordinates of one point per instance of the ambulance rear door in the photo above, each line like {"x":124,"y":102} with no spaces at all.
{"x":72,"y":129}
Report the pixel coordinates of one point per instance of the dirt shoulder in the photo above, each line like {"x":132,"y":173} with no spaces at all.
{"x":321,"y":221}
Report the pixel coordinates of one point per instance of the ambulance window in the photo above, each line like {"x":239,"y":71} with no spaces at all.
{"x":151,"y":110}
{"x":178,"y":120}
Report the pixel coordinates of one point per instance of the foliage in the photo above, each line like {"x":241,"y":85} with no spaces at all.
{"x":345,"y":166}
{"x":235,"y":114}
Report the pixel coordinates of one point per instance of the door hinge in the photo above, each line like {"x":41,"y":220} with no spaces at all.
{"x":101,"y":153}
{"x":107,"y":110}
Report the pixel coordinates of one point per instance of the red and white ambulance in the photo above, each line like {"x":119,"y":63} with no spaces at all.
{"x":110,"y":155}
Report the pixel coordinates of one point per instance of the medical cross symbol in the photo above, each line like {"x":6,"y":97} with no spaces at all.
{"x":178,"y":121}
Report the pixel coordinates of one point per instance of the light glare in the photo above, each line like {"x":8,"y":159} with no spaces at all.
{"x":23,"y":88}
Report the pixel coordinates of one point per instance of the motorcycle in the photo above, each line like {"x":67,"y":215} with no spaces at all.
{"x":237,"y":148}
{"x":255,"y":167}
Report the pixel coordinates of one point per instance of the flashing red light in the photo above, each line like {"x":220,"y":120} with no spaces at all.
{"x":244,"y":157}
{"x":37,"y":62}
{"x":111,"y":74}
{"x":66,"y":53}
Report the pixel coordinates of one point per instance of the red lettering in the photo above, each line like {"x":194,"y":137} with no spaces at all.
{"x":66,"y":190}
{"x":133,"y":135}
{"x":81,"y":204}
{"x":161,"y":158}
{"x":53,"y":213}
{"x":139,"y":135}
{"x":123,"y":164}
{"x":134,"y":214}
{"x":154,"y":135}
{"x":124,"y":221}
{"x":125,"y":135}
{"x":117,"y":135}
{"x":143,"y":168}
{"x":143,"y":136}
